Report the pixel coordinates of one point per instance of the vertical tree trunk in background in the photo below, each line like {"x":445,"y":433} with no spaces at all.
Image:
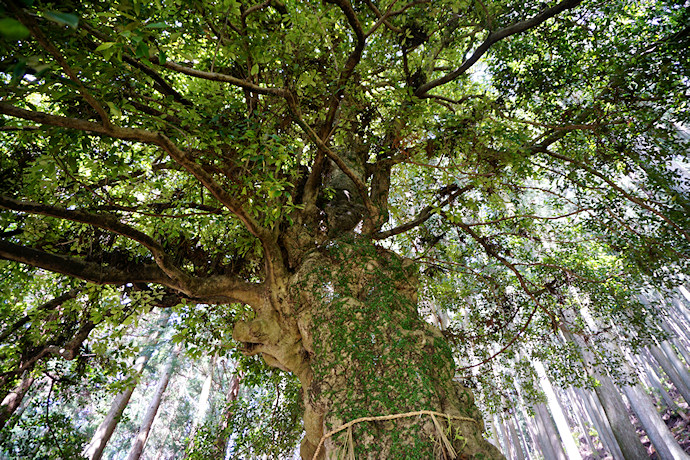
{"x":580,"y":420}
{"x":611,"y":400}
{"x":643,"y":406}
{"x":663,"y":440}
{"x":13,"y":399}
{"x":202,"y":406}
{"x":571,"y":450}
{"x":597,"y":415}
{"x":221,"y":443}
{"x":682,"y":349}
{"x":683,"y":316}
{"x":656,"y":383}
{"x":140,"y":439}
{"x":507,"y":447}
{"x":550,"y":441}
{"x":517,"y":443}
{"x":677,"y":364}
{"x":673,"y":375}
{"x":94,"y":450}
{"x":617,"y":414}
{"x":533,"y":448}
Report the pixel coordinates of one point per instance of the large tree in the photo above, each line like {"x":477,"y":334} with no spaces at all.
{"x":325,"y":163}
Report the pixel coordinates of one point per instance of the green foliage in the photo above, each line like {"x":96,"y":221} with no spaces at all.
{"x":263,"y":421}
{"x":548,"y":176}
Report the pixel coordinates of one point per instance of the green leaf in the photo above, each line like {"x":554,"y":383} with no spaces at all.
{"x":105,"y":46}
{"x":142,"y":50}
{"x":156,"y":25}
{"x":19,"y":70}
{"x":255,"y":69}
{"x":64,"y":19}
{"x":12,"y":29}
{"x":114,"y":110}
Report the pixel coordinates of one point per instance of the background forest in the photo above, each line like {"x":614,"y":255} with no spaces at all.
{"x":228,"y":229}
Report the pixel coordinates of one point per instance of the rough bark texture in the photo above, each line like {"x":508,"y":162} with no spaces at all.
{"x":360,"y":348}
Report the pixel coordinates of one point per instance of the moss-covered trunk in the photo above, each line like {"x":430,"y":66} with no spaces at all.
{"x":365,"y":352}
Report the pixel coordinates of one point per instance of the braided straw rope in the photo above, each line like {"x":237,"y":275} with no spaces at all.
{"x":388,"y":417}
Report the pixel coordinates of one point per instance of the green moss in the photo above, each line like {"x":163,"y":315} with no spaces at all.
{"x":368,"y":330}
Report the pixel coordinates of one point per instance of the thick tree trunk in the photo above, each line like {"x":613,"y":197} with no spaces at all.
{"x":346,"y":323}
{"x":142,"y":436}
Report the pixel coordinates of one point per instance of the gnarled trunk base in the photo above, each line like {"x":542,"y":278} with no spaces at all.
{"x":368,"y":354}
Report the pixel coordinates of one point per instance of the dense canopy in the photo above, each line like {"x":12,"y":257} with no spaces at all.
{"x":382,"y":198}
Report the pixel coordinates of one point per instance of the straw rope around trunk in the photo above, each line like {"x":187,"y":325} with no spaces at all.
{"x":378,"y":418}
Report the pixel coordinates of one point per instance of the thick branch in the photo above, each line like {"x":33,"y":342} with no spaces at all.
{"x":350,"y":65}
{"x":362,"y":188}
{"x":493,"y":38}
{"x":81,"y":269}
{"x":163,"y":86}
{"x":147,"y":137}
{"x":106,"y":222}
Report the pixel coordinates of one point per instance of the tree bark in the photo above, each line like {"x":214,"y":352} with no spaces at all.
{"x":611,"y":400}
{"x":550,"y":442}
{"x":663,"y":360}
{"x":663,"y":440}
{"x":346,"y":323}
{"x":142,"y":436}
{"x":13,"y":399}
{"x":94,"y":450}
